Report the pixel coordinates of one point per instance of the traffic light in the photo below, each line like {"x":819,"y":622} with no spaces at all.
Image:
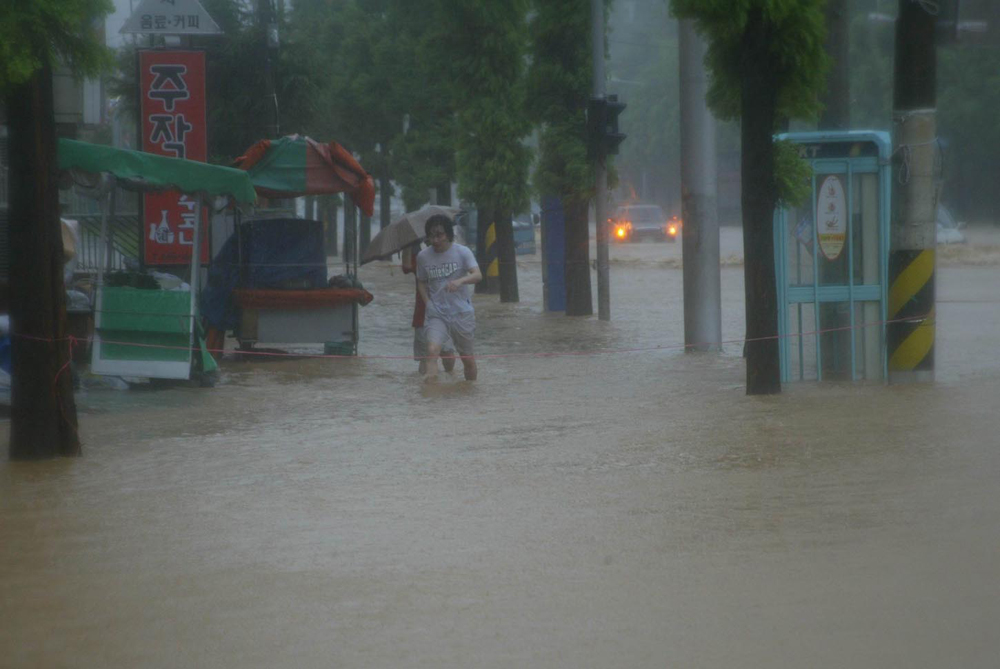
{"x":603,"y":137}
{"x":612,"y":138}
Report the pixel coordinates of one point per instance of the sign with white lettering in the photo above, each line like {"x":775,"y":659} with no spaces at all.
{"x":172,"y":98}
{"x":831,"y":217}
{"x":170,"y":17}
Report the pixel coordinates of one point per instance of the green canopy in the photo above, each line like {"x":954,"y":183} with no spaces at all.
{"x":149,"y":172}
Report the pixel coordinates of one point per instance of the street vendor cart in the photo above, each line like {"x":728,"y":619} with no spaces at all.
{"x":269,"y":282}
{"x":147,"y":332}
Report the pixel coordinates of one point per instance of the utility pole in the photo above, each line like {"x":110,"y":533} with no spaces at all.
{"x":911,"y":312}
{"x":600,"y":171}
{"x":700,"y":225}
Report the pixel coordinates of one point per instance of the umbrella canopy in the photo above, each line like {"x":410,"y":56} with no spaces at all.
{"x":297,"y":165}
{"x":405,"y":230}
{"x":136,"y":170}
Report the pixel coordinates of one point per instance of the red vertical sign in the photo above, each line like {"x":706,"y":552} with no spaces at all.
{"x":172,"y":99}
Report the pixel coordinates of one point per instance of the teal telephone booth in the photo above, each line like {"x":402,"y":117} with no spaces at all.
{"x":832,"y":260}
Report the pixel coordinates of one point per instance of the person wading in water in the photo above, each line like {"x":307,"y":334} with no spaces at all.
{"x":445,"y":274}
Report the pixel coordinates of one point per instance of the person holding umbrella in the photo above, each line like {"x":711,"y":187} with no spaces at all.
{"x":445,"y":271}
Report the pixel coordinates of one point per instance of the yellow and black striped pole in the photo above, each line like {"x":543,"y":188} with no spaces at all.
{"x":910,"y":332}
{"x":491,"y":260}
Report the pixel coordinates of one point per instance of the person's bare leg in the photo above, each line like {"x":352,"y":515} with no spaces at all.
{"x":469,"y":367}
{"x":420,"y":350}
{"x":433,"y":351}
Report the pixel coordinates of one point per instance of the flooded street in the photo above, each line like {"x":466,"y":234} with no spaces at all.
{"x":596,"y":499}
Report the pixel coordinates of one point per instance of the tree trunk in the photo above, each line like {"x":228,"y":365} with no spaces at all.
{"x":507,"y":257}
{"x":43,"y":411}
{"x":759,"y":96}
{"x":578,"y":297}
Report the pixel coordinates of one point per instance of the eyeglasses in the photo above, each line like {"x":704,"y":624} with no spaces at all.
{"x":435,"y":235}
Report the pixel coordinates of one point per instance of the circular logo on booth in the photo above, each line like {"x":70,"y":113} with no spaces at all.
{"x":831,"y":217}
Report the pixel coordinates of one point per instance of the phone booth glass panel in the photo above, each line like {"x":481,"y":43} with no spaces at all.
{"x":832,"y":256}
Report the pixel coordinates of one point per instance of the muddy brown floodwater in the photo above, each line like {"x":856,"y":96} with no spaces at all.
{"x":625,"y":508}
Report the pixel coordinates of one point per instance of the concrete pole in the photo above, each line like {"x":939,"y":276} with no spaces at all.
{"x":911,"y":310}
{"x":700,"y":225}
{"x":600,"y":172}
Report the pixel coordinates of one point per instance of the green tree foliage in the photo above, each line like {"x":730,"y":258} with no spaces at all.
{"x":360,"y":78}
{"x":795,"y":32}
{"x":381,"y":91}
{"x":423,"y":151}
{"x":792,"y":174}
{"x":486,"y":66}
{"x":559,"y":85}
{"x":485,"y":63}
{"x":768,"y":64}
{"x":39,"y":32}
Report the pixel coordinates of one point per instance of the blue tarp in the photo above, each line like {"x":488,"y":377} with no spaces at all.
{"x":277,"y":253}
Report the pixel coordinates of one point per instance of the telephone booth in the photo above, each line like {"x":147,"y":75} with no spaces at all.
{"x":832,"y":260}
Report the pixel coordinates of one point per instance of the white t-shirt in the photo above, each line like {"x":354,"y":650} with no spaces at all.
{"x":437,"y":269}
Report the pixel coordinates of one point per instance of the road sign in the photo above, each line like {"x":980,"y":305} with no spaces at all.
{"x":171,"y":17}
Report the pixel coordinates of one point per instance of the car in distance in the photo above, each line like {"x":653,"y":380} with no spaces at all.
{"x":524,"y":234}
{"x":635,"y":222}
{"x":949,"y":230}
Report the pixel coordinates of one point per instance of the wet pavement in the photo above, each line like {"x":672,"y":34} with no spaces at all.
{"x":597,"y":499}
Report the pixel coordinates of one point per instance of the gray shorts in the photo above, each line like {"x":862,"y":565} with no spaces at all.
{"x":461,"y":328}
{"x":420,"y":345}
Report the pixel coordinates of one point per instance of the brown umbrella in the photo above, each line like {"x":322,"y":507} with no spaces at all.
{"x":405,"y":230}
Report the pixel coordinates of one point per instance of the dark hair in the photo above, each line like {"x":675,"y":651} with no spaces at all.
{"x":444,"y":222}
